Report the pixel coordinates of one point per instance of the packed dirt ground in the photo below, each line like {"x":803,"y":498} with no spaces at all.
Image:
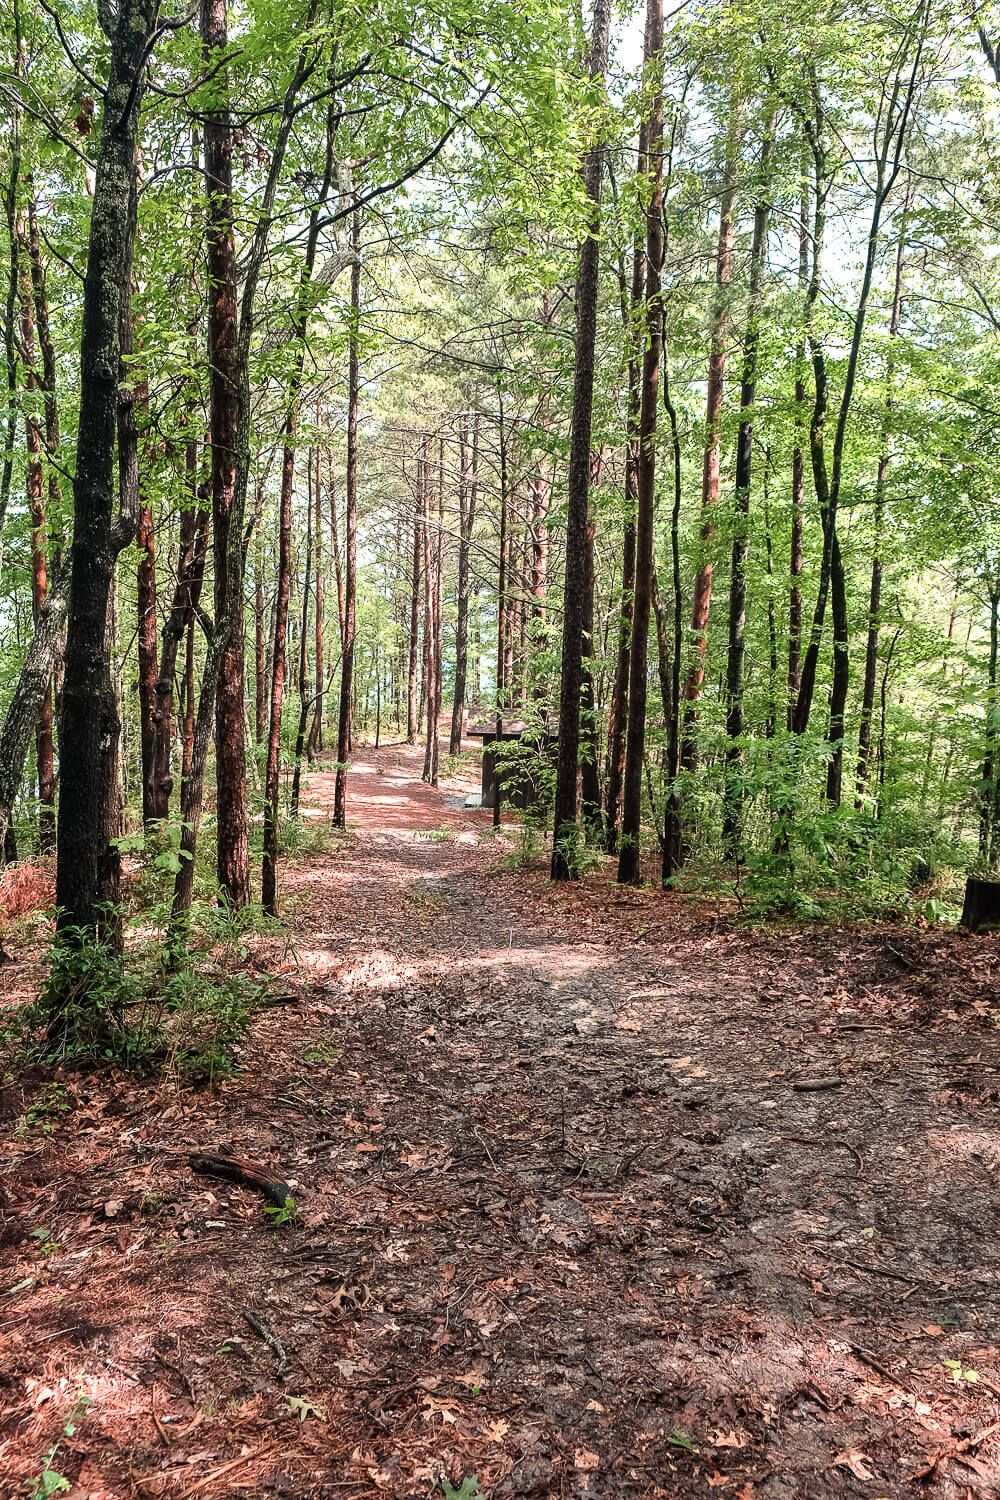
{"x":601,"y":1193}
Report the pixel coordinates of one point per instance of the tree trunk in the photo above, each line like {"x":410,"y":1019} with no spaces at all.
{"x":192,"y":551}
{"x":590,"y":781}
{"x":587,"y":292}
{"x":629,"y":853}
{"x":225,"y":387}
{"x":35,"y":486}
{"x":89,"y":718}
{"x":412,"y":709}
{"x":351,"y":527}
{"x":732,"y":823}
{"x":797,"y":558}
{"x":272,"y":769}
{"x":300,"y":734}
{"x":32,"y":684}
{"x":148,"y":664}
{"x":881,"y":481}
{"x":631,"y":301}
{"x":315,"y":744}
{"x":702,"y":601}
{"x":467,"y":487}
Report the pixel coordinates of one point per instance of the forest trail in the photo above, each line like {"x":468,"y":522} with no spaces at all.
{"x":602,"y":1192}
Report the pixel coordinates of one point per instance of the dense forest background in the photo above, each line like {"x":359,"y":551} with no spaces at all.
{"x":366,"y":373}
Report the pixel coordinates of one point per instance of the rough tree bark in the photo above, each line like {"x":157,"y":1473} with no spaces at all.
{"x":233,"y":862}
{"x":89,"y":717}
{"x":587,"y":290}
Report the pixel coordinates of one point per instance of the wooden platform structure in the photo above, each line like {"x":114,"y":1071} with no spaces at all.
{"x":514,"y":787}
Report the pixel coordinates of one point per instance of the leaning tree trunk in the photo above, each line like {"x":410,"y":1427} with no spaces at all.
{"x":629,"y":853}
{"x":35,"y":485}
{"x":587,"y":291}
{"x":300,"y":328}
{"x":89,"y":714}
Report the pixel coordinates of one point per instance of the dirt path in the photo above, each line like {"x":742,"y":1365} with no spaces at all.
{"x":572,"y":1225}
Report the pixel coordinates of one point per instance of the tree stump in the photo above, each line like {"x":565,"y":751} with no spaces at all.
{"x":981,"y":910}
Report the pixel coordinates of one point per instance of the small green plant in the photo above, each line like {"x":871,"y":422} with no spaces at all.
{"x":581,"y":857}
{"x":960,"y":1374}
{"x":50,"y":1481}
{"x":467,"y":1490}
{"x":208,"y":1019}
{"x":529,"y":845}
{"x":283,"y":1215}
{"x":436,"y":835}
{"x":44,"y":1240}
{"x":325,"y":1054}
{"x":46,"y":1110}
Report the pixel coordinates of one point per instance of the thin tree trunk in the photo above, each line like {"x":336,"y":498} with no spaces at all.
{"x":587,"y":293}
{"x":300,"y":328}
{"x":881,"y":482}
{"x":590,"y":781}
{"x":35,"y":486}
{"x":315,"y":744}
{"x":272,"y":771}
{"x":732,"y":822}
{"x":260,"y":653}
{"x":629,"y":853}
{"x":631,"y":301}
{"x":412,"y":709}
{"x":467,"y":487}
{"x":501,"y":610}
{"x":797,"y":557}
{"x":146,"y":640}
{"x":351,"y":528}
{"x":719,"y":342}
{"x":32,"y":684}
{"x":300,"y":734}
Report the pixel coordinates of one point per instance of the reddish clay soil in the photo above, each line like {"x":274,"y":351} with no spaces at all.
{"x":602,"y":1194}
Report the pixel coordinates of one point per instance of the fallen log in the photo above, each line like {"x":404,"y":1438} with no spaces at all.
{"x":248,"y":1173}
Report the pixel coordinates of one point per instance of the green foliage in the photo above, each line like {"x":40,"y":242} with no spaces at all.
{"x":136,"y":1011}
{"x":467,"y":1490}
{"x":50,"y":1481}
{"x":50,"y":1105}
{"x":283,"y":1215}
